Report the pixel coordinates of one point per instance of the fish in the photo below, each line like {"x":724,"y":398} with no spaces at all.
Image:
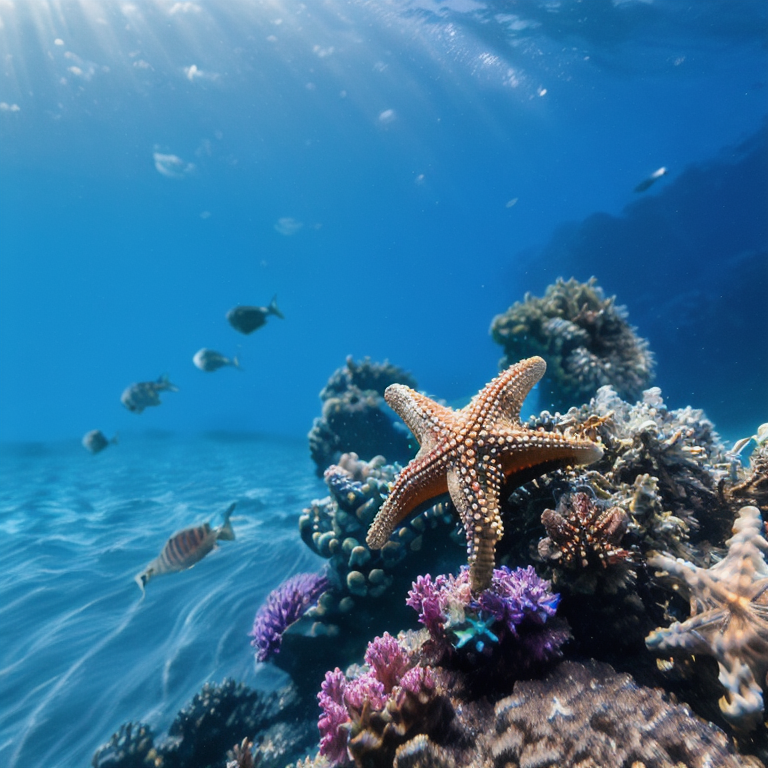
{"x":646,"y":183}
{"x":186,"y":548}
{"x":248,"y":319}
{"x":96,"y":441}
{"x":144,"y":394}
{"x":209,"y":360}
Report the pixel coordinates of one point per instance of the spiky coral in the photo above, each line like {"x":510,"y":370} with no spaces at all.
{"x":584,"y":337}
{"x":729,"y":617}
{"x":283,"y":606}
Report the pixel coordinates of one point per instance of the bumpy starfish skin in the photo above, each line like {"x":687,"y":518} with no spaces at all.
{"x":471,"y":454}
{"x":729,"y":617}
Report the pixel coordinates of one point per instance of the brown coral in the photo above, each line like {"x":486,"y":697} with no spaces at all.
{"x":581,"y":531}
{"x":584,"y":337}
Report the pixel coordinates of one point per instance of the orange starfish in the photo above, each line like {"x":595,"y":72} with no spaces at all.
{"x":472,"y":454}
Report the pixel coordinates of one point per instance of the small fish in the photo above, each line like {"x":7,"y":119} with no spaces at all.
{"x":248,"y":319}
{"x":186,"y":548}
{"x":144,"y":394}
{"x":95,"y":441}
{"x":209,"y":360}
{"x":646,"y":183}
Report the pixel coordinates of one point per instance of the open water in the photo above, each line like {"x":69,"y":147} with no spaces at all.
{"x":397,"y":173}
{"x":81,"y":651}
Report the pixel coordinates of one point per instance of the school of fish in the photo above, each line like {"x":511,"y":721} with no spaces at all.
{"x":189,"y":546}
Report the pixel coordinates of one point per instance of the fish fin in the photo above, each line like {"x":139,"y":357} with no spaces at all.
{"x":272,"y":308}
{"x":165,"y":382}
{"x":227,"y":532}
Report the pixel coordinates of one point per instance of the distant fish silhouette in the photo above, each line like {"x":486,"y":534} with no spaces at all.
{"x":248,"y":319}
{"x":144,"y":394}
{"x":95,"y":441}
{"x":210,"y":360}
{"x":646,"y":183}
{"x":186,"y":548}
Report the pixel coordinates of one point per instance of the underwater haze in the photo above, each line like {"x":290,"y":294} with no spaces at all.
{"x":396,"y":173}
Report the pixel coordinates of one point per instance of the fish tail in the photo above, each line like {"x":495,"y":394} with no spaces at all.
{"x":141,"y":579}
{"x":273,"y":310}
{"x":227,"y":532}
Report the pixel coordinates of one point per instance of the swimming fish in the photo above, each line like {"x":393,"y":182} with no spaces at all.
{"x":248,"y":319}
{"x":186,"y":548}
{"x":646,"y":183}
{"x":96,"y":441}
{"x":144,"y":394}
{"x":209,"y":360}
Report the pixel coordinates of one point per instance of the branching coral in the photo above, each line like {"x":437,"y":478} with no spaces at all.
{"x":584,"y":337}
{"x":355,"y":417}
{"x":366,"y":717}
{"x":729,"y":617}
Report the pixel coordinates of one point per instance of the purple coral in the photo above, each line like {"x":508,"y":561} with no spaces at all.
{"x":333,"y":734}
{"x":516,"y":600}
{"x":283,"y":606}
{"x":515,"y":596}
{"x":390,"y":675}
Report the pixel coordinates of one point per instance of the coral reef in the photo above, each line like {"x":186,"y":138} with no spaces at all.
{"x":354,"y":417}
{"x":578,"y":716}
{"x":585,"y":339}
{"x":729,"y":617}
{"x":217,"y":718}
{"x":506,"y":627}
{"x":368,"y":713}
{"x":587,"y":715}
{"x":132,"y":746}
{"x":284,"y":605}
{"x":367,"y":586}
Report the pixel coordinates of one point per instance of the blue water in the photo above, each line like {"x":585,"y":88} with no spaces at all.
{"x":397,"y":173}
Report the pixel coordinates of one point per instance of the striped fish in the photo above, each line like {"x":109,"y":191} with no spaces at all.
{"x":186,"y":548}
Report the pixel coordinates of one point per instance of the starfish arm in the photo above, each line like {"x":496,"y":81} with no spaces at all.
{"x":421,"y":481}
{"x":478,"y":508}
{"x":423,"y":416}
{"x":503,"y":397}
{"x":548,"y":450}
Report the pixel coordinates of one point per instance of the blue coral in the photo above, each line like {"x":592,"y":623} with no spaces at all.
{"x":283,"y":606}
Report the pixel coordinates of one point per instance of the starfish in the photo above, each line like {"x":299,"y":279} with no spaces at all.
{"x":729,"y":617}
{"x":474,"y":454}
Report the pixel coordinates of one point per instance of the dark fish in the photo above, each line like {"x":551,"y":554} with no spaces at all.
{"x":646,"y":183}
{"x":144,"y":394}
{"x":248,"y":319}
{"x":209,"y":360}
{"x":95,"y":441}
{"x":186,"y":548}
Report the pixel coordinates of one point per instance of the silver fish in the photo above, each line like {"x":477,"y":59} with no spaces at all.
{"x":96,"y":441}
{"x":210,"y":360}
{"x":186,"y":548}
{"x":646,"y":183}
{"x":144,"y":394}
{"x":248,"y":319}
